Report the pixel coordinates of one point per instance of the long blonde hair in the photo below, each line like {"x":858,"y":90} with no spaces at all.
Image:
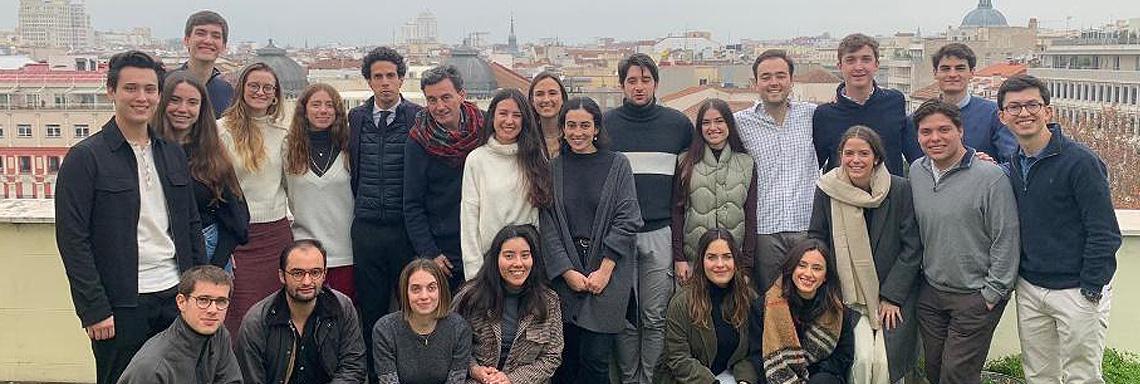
{"x":297,"y":142}
{"x":248,"y":141}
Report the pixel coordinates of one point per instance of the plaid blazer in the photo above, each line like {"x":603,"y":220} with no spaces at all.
{"x":536,"y":351}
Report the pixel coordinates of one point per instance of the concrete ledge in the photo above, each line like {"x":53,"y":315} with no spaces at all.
{"x":27,"y":211}
{"x":1129,"y":220}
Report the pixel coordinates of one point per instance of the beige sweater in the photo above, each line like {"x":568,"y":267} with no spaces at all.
{"x":264,"y":189}
{"x":494,"y":195}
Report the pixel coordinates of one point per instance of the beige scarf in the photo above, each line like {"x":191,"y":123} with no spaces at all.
{"x":854,"y":263}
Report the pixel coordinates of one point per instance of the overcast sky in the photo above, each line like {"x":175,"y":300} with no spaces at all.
{"x":377,"y":21}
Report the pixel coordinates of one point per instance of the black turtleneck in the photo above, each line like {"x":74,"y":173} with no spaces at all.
{"x":510,"y":325}
{"x":322,"y":152}
{"x":727,"y":338}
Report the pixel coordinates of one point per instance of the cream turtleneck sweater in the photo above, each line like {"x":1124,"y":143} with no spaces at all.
{"x":494,"y":195}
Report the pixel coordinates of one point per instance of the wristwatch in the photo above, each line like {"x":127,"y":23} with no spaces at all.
{"x":1093,"y":297}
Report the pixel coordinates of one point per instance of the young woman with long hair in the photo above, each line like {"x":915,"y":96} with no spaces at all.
{"x":514,"y":316}
{"x":318,"y":180}
{"x":715,"y":187}
{"x":255,"y":142}
{"x":506,"y":180}
{"x":546,"y":96}
{"x":185,"y":116}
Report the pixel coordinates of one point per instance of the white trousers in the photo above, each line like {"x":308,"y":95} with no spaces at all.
{"x":870,"y":362}
{"x":1062,"y":334}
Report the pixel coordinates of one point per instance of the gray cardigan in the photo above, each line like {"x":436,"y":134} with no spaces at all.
{"x":616,"y":221}
{"x":897,"y":251}
{"x":969,"y":227}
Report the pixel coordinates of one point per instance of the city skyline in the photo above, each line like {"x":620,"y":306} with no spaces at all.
{"x":581,"y":22}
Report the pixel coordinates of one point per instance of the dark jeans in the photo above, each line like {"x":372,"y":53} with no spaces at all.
{"x":380,"y":252}
{"x":826,"y":378}
{"x":771,"y":253}
{"x":133,"y":327}
{"x":956,"y":332}
{"x":586,"y":356}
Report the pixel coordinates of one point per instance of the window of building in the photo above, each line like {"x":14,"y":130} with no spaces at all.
{"x":53,"y":164}
{"x":25,"y":164}
{"x":1,"y":131}
{"x":52,"y":130}
{"x":82,"y":130}
{"x":24,"y":130}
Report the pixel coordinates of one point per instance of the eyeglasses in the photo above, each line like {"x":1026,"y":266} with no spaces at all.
{"x":203,"y":302}
{"x":256,"y":87}
{"x":299,"y":274}
{"x":1015,"y":109}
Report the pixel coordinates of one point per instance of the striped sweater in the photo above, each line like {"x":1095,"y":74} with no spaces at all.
{"x":651,"y":137}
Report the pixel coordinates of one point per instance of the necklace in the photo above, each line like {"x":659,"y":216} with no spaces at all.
{"x":317,"y":167}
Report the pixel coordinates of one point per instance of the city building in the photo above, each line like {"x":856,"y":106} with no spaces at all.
{"x":60,"y":24}
{"x":1094,"y":74}
{"x":292,"y":76}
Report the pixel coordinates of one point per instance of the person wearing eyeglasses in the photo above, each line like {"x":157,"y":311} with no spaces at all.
{"x":304,"y":333}
{"x":196,"y":347}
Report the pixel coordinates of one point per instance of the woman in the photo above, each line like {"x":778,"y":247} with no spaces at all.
{"x":801,"y":332}
{"x":706,"y":326}
{"x":514,"y":316}
{"x":255,"y":142}
{"x":424,"y":342}
{"x":318,"y":180}
{"x":225,"y":216}
{"x":715,"y":188}
{"x":867,"y":216}
{"x":506,"y":180}
{"x":546,"y":96}
{"x":589,"y":234}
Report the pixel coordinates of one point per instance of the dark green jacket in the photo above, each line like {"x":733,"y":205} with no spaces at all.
{"x":690,"y":349}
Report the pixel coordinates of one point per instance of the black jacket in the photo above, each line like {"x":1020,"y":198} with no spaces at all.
{"x":837,"y":364}
{"x":265,"y":343}
{"x":97,"y":214}
{"x":231,"y":215}
{"x":379,"y":192}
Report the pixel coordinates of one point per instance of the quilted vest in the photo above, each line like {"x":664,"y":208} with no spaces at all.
{"x":717,"y":191}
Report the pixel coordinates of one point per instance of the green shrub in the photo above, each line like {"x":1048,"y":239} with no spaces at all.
{"x":1119,"y":367}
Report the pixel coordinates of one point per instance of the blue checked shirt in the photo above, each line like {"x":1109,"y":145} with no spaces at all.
{"x":786,"y":166}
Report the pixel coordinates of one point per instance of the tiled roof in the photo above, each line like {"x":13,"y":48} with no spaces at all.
{"x":926,"y":93}
{"x":40,"y":73}
{"x":508,"y":78}
{"x":1006,"y":70}
{"x":815,"y":75}
{"x":736,"y":106}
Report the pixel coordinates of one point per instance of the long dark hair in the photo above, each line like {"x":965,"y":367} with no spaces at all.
{"x":297,"y":140}
{"x":827,"y":296}
{"x":735,"y":312}
{"x":531,"y":157}
{"x":208,"y":160}
{"x":540,"y":77}
{"x":484,"y":296}
{"x":590,"y":106}
{"x":696,"y":151}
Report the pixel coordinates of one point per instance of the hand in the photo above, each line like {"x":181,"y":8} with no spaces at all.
{"x":102,"y":330}
{"x":890,"y":315}
{"x":683,"y":271}
{"x":576,"y":280}
{"x":600,"y":278}
{"x":984,"y":157}
{"x":498,"y":378}
{"x":482,"y":374}
{"x":443,"y":264}
{"x":990,"y":307}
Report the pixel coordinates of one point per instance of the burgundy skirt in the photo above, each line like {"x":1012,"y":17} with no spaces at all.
{"x":255,"y":269}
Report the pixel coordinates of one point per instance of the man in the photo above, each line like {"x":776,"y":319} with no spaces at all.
{"x":1069,"y":241}
{"x":205,"y":38}
{"x":651,"y":136}
{"x":304,"y":333}
{"x":378,"y":133}
{"x":440,"y":139}
{"x":967,"y":218}
{"x":860,"y":101}
{"x":196,"y":347}
{"x":126,"y":221}
{"x":954,"y":65}
{"x":777,"y":132}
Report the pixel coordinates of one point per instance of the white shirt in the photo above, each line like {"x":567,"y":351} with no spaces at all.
{"x":158,"y":271}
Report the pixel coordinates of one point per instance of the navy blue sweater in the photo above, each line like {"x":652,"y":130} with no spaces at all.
{"x":1069,"y":233}
{"x":984,"y":131}
{"x":884,"y":112}
{"x":432,"y":189}
{"x":650,"y":136}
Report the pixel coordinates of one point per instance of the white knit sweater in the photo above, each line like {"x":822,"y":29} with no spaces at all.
{"x":264,"y":189}
{"x":494,"y":195}
{"x":322,"y":209}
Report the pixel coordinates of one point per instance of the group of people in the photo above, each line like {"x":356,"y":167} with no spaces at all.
{"x":783,"y":243}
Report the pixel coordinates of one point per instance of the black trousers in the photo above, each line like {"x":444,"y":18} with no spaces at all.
{"x":586,"y":356}
{"x":133,"y":327}
{"x":379,"y":251}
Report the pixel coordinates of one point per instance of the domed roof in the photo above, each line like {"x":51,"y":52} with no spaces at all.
{"x":478,"y":78}
{"x":984,"y":16}
{"x":292,"y":76}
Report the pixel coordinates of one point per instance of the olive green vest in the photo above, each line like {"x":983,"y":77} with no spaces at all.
{"x":717,"y":191}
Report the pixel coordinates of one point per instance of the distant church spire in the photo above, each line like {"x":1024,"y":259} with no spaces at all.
{"x":512,"y":41}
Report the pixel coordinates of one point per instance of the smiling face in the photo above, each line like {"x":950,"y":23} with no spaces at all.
{"x":307,"y":263}
{"x":423,"y":293}
{"x":547,"y":98}
{"x":810,"y":274}
{"x":507,"y":121}
{"x":259,"y":91}
{"x":940,"y":139}
{"x":859,"y":67}
{"x":953,"y":74}
{"x":719,"y":264}
{"x":858,"y":160}
{"x":135,"y":96}
{"x":205,"y":42}
{"x":1023,"y":121}
{"x":320,"y":111}
{"x":579,"y":131}
{"x":515,"y":262}
{"x":385,"y":82}
{"x":443,"y":102}
{"x":773,"y":81}
{"x":204,"y":321}
{"x":714,"y":129}
{"x":638,"y":85}
{"x":183,"y":108}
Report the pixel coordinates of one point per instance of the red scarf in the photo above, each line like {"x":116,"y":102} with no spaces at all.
{"x":452,"y":146}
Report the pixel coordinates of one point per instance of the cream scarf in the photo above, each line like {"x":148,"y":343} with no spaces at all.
{"x":854,"y":263}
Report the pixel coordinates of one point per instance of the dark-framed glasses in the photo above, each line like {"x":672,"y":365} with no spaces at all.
{"x":299,"y":274}
{"x":203,"y":302}
{"x":1015,"y":109}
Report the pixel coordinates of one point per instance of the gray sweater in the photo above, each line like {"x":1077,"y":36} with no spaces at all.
{"x":179,"y":355}
{"x":969,"y":227}
{"x":403,"y":357}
